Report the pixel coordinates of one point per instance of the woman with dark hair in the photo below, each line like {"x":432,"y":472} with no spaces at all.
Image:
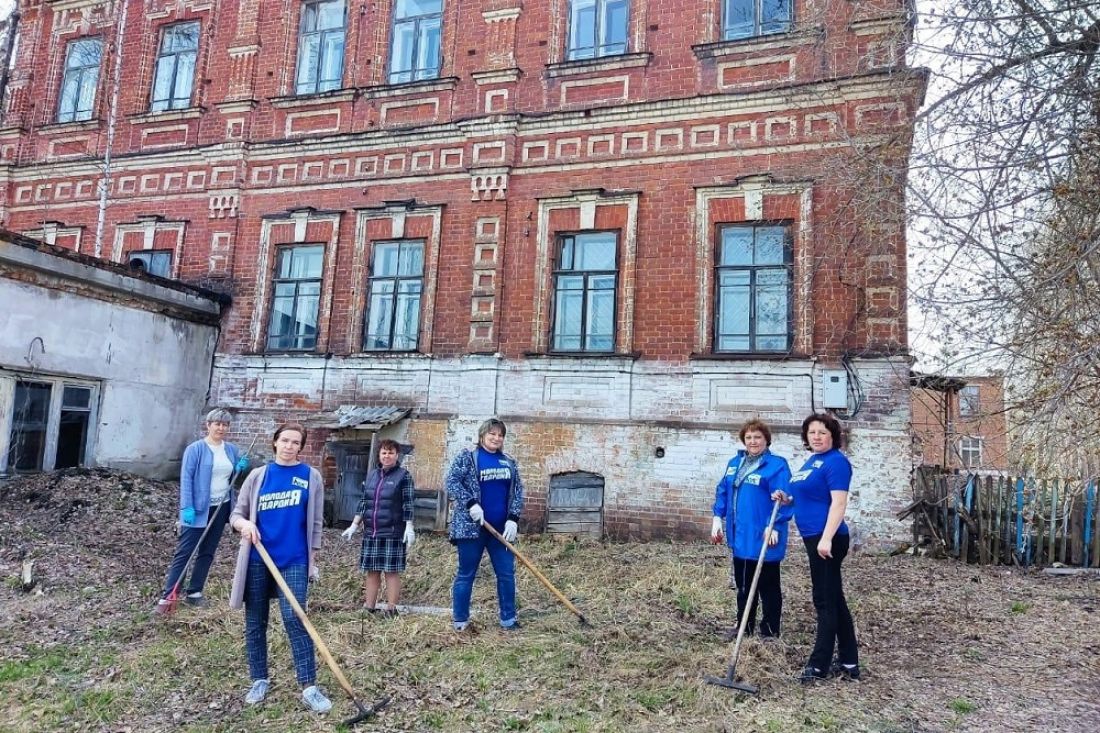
{"x":742,"y":510}
{"x":820,"y":493}
{"x":486,"y":488}
{"x":208,"y":471}
{"x":386,"y":510}
{"x":282,"y":505}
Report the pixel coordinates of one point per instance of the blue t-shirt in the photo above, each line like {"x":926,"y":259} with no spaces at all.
{"x":281,"y":515}
{"x":810,"y":487}
{"x":494,"y":474}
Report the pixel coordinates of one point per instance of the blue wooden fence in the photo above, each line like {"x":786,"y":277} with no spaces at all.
{"x":1003,"y":520}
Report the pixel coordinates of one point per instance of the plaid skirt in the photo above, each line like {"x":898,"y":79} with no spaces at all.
{"x":382,"y":554}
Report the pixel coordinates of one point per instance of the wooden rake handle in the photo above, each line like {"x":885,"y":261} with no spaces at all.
{"x":301,"y":614}
{"x":535,"y":571}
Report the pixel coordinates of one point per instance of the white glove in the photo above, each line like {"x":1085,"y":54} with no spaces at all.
{"x":773,"y":537}
{"x":348,"y":533}
{"x":510,"y":531}
{"x":315,"y":573}
{"x":716,"y":528}
{"x":477,"y":513}
{"x":410,"y":535}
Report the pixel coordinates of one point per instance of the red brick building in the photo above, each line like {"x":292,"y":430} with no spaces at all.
{"x":960,"y":423}
{"x":625,"y":226}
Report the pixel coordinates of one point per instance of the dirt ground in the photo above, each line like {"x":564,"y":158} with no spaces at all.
{"x":944,"y":646}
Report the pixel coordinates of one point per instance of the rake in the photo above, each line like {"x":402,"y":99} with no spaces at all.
{"x":730,"y":680}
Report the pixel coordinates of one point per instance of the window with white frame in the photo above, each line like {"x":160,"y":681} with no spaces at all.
{"x":970,"y":400}
{"x":586,"y":277}
{"x":753,"y":289}
{"x":296,"y":298}
{"x":79,"y":82}
{"x":749,"y":18}
{"x":415,"y":50}
{"x":321,"y":47}
{"x":970,"y":451}
{"x":174,"y":78}
{"x":597,"y":28}
{"x":50,"y":425}
{"x":153,"y":261}
{"x":396,"y":284}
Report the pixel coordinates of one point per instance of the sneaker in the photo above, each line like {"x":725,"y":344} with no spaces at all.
{"x":461,"y":626}
{"x":387,"y":612}
{"x":846,"y":671}
{"x":316,"y":700}
{"x":812,"y":674}
{"x":257,"y":692}
{"x":162,"y":608}
{"x":197,"y":600}
{"x":514,"y":626}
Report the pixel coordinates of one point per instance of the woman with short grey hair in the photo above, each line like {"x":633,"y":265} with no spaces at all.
{"x":207,"y":474}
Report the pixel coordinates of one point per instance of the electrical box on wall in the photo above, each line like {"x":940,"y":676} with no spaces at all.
{"x":834,"y":392}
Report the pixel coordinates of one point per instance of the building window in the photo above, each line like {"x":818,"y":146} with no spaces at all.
{"x":969,"y":400}
{"x":51,"y":425}
{"x":753,"y":309}
{"x":296,"y":298}
{"x":597,"y":28}
{"x":970,"y":452}
{"x":175,"y":74}
{"x":81,"y":77}
{"x":585,"y":280}
{"x":396,"y":282}
{"x":153,"y":261}
{"x":321,"y":47}
{"x":417,"y":27}
{"x":749,"y":18}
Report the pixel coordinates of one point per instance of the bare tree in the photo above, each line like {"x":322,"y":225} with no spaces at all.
{"x":1004,"y":199}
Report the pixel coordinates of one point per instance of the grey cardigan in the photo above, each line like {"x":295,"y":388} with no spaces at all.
{"x":246,"y":509}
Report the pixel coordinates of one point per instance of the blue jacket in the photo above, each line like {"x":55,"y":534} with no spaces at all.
{"x":465,"y":491}
{"x":195,"y":475}
{"x":748,"y":508}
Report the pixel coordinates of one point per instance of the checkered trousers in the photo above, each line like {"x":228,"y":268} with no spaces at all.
{"x":260,"y":588}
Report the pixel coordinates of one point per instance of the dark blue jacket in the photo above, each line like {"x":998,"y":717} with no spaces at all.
{"x":464,"y":490}
{"x":748,"y":508}
{"x":387,"y":502}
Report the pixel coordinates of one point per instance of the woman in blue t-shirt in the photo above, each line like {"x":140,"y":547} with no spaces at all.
{"x":485,"y":485}
{"x":820,"y":493}
{"x":281,"y":504}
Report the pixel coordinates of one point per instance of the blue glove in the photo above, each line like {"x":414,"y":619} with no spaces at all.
{"x":188,"y":515}
{"x":242,"y":464}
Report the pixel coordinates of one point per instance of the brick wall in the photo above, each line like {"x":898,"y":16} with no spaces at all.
{"x":487,"y":164}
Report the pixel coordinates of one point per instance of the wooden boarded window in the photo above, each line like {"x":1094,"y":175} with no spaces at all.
{"x":576,"y":504}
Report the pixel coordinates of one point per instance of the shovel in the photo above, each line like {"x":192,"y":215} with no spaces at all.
{"x":730,"y":680}
{"x":365,"y":711}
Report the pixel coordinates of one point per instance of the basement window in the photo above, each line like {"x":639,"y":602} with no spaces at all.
{"x":50,"y":426}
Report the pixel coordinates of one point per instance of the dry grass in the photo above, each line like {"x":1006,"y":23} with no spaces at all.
{"x":945,"y":646}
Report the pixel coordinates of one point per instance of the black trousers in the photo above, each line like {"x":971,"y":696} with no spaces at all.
{"x":768,"y":592}
{"x":834,"y":621}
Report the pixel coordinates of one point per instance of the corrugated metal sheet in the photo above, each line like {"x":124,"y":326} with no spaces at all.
{"x":358,"y":417}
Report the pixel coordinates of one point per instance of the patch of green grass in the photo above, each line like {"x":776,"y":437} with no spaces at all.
{"x":51,"y":661}
{"x":962,"y":706}
{"x":1018,"y":607}
{"x":685,"y":603}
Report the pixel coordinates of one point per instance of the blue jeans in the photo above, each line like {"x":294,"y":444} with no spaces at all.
{"x":504,"y":565}
{"x":189,"y":538}
{"x":259,"y":588}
